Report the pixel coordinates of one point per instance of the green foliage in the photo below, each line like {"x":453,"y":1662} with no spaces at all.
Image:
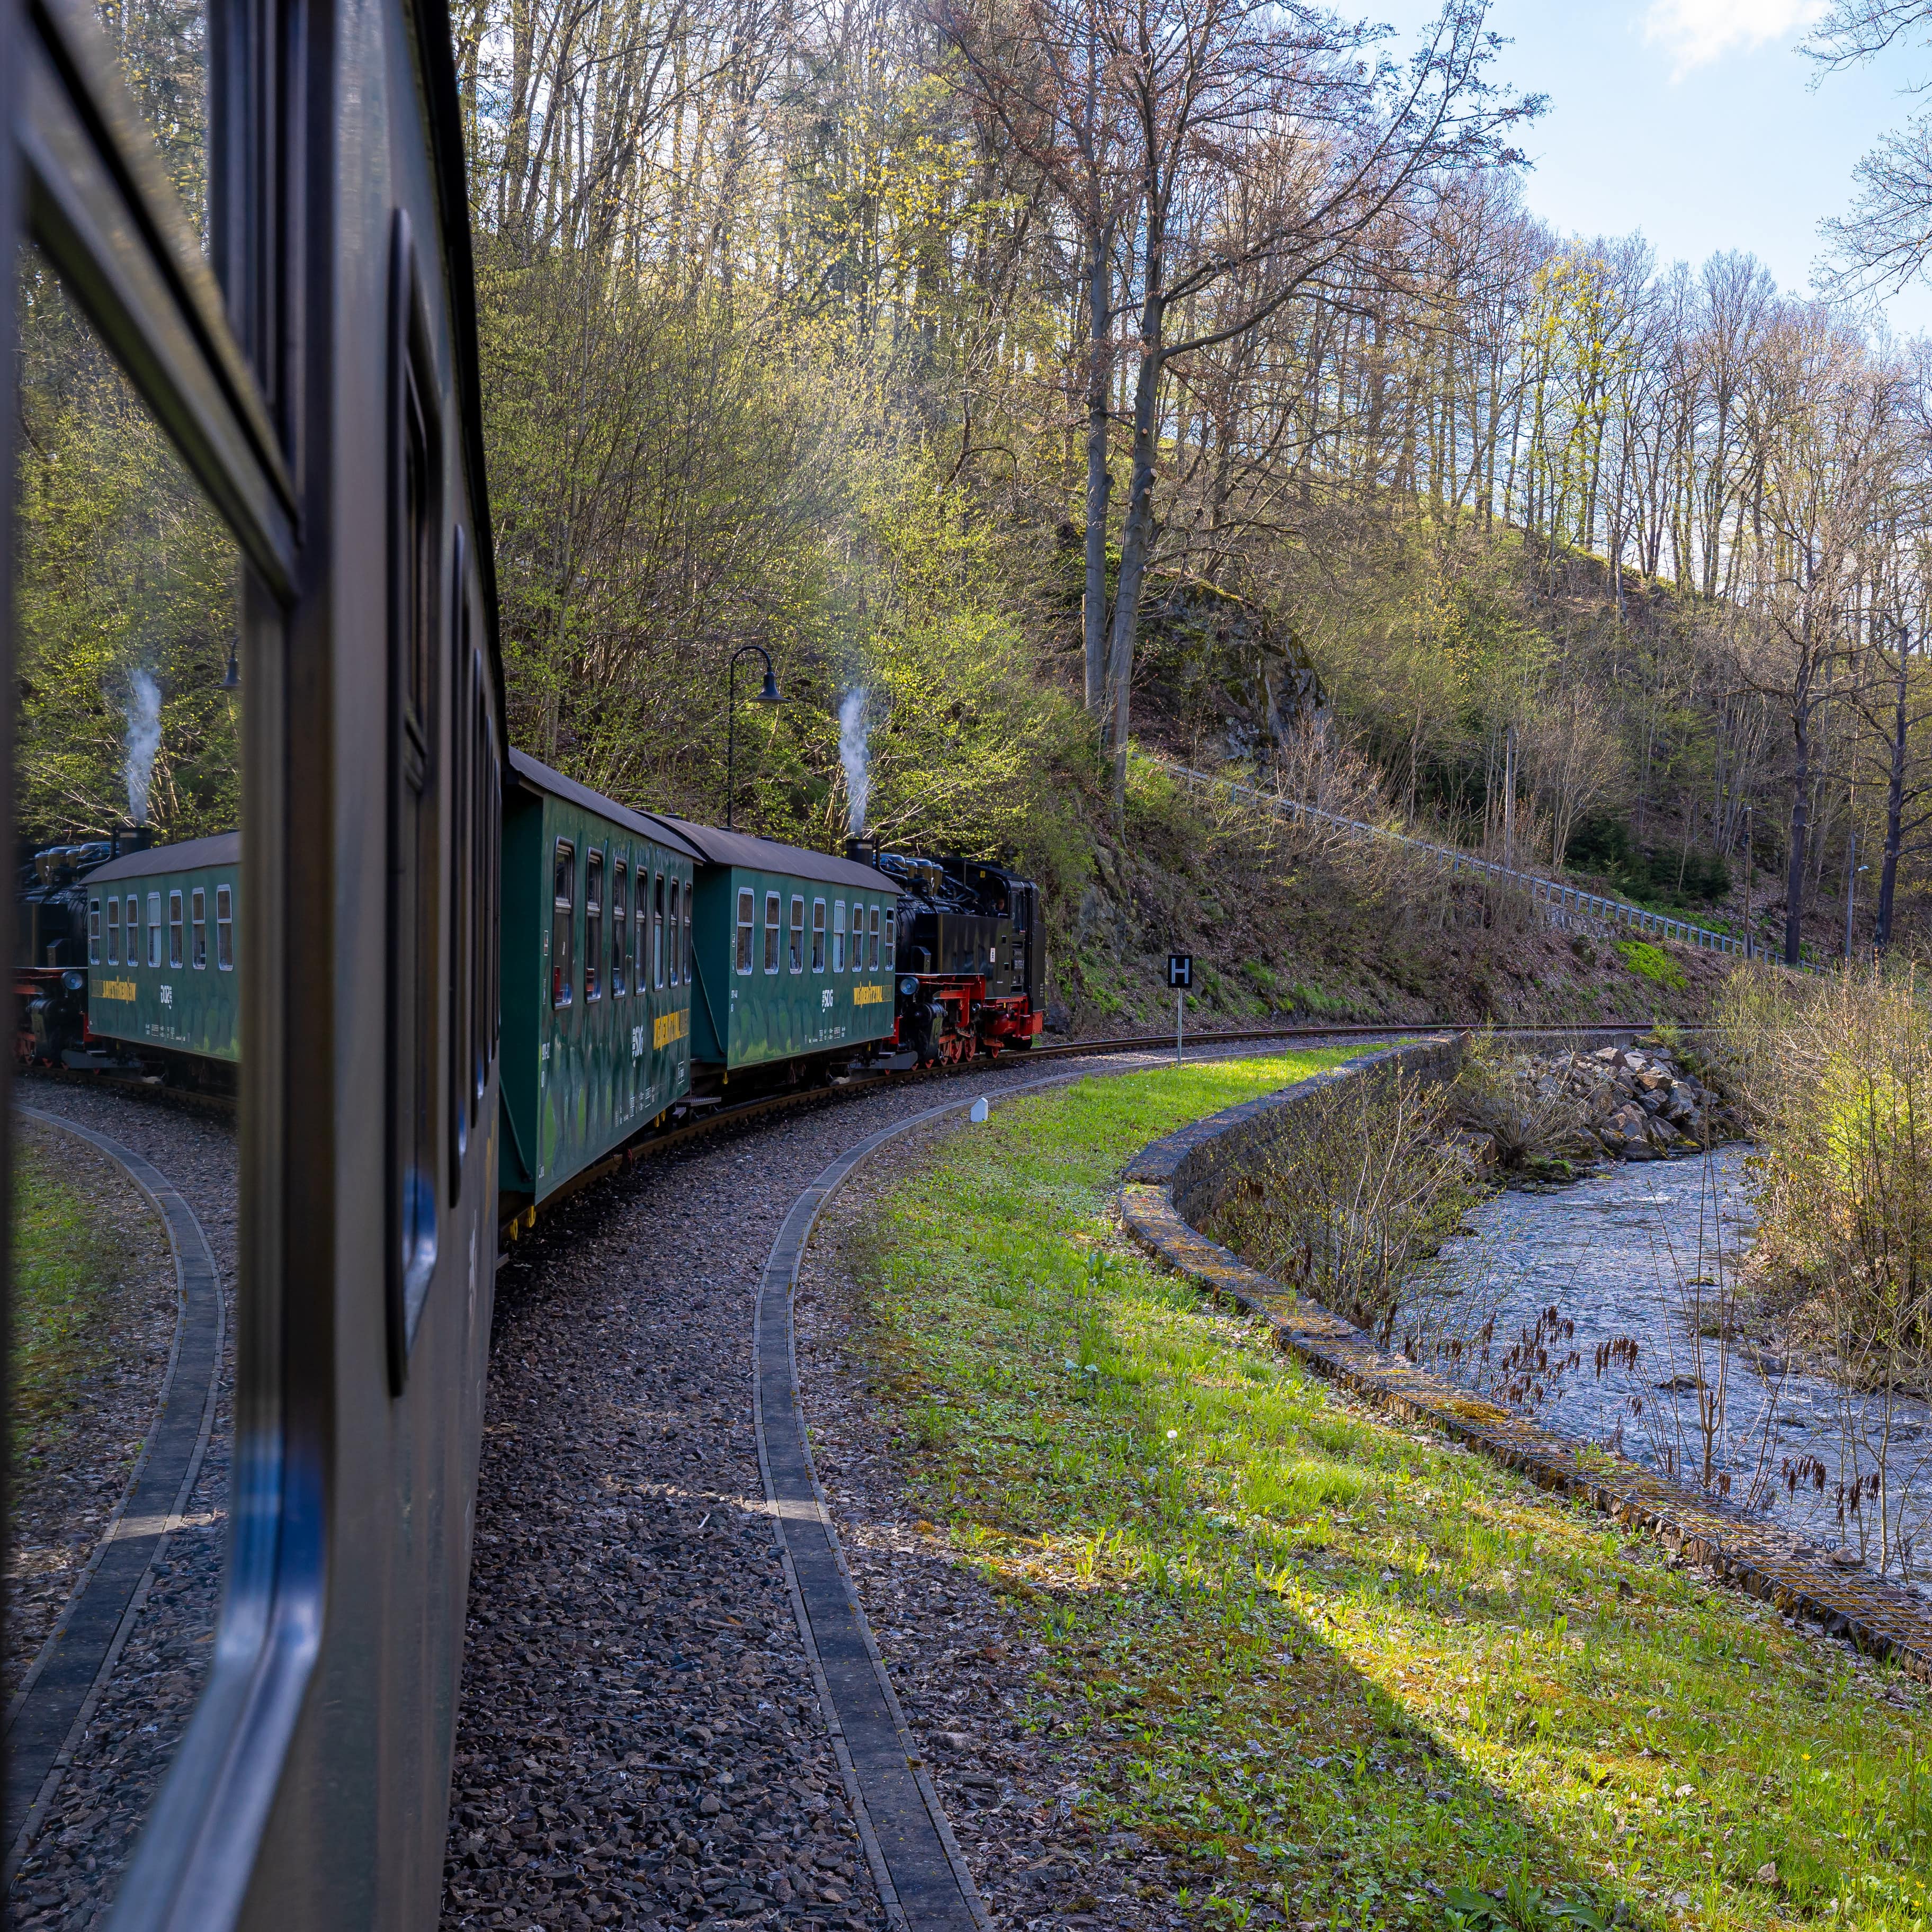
{"x":123,"y":569}
{"x":1601,"y":844}
{"x":1652,"y":963}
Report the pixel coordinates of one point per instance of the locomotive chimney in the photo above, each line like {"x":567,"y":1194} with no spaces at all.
{"x":862,"y":851}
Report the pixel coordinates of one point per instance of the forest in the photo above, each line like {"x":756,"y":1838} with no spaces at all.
{"x":946,"y":349}
{"x":1048,"y":384}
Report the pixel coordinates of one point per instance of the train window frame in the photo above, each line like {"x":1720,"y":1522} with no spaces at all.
{"x":818,"y":935}
{"x":874,"y":955}
{"x":155,"y":930}
{"x":593,"y":922}
{"x":620,"y":924}
{"x":176,"y":926}
{"x":891,"y":951}
{"x":748,"y":913}
{"x":795,"y":934}
{"x":838,"y":935}
{"x":657,"y":932}
{"x":674,"y":906}
{"x":562,"y":924}
{"x":197,"y":929}
{"x":114,"y":929}
{"x":94,"y":932}
{"x":224,"y":928}
{"x":690,"y":967}
{"x":133,"y":930}
{"x":774,"y":929}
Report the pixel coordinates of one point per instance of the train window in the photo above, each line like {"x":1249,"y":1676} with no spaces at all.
{"x":94,"y":932}
{"x":198,"y":934}
{"x":818,"y":935}
{"x":795,"y":958}
{"x":174,"y":928}
{"x":114,"y":932}
{"x":875,"y":939}
{"x":133,"y":930}
{"x":746,"y":903}
{"x":838,"y":935}
{"x":154,"y":929}
{"x":620,"y":926}
{"x":688,"y":971}
{"x":224,"y":929}
{"x":657,"y":933}
{"x":773,"y":917}
{"x":890,"y":955}
{"x":593,"y":925}
{"x":676,"y":951}
{"x":563,"y":923}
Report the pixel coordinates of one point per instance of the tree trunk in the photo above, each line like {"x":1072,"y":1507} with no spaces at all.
{"x":1099,"y":484}
{"x":1137,"y":534}
{"x":1801,"y":806}
{"x":1894,"y":809}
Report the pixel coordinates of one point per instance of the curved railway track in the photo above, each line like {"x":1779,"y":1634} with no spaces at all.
{"x":654,"y":1140}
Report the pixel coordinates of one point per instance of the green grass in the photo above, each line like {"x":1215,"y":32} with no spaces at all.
{"x":1652,"y":963}
{"x":1324,"y":1661}
{"x":68,"y":1269}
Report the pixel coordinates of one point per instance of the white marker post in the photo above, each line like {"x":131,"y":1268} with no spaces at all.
{"x":1179,"y":976}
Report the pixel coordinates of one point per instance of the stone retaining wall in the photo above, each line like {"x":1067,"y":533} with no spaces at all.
{"x":1180,"y":1180}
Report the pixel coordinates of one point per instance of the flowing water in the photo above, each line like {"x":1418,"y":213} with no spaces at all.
{"x":1642,"y":1260}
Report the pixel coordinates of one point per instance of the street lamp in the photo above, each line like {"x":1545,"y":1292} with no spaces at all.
{"x":231,"y":679}
{"x":769,"y":695}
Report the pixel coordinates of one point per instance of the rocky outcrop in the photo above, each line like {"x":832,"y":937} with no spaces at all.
{"x":1640,"y":1102}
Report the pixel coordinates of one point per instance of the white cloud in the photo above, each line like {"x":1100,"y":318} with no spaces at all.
{"x":1700,"y":31}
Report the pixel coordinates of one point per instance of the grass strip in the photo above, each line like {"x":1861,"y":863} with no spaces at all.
{"x":1343,"y":1673}
{"x":71,"y":1266}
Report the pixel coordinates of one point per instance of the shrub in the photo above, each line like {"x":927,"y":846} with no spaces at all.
{"x":1652,"y":963}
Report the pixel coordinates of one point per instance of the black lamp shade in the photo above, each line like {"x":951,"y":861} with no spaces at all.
{"x":769,"y":695}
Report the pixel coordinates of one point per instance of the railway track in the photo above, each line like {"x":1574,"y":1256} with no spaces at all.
{"x":655,"y":1140}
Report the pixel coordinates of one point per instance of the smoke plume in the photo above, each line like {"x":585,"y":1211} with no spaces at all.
{"x":853,"y":756}
{"x":143,"y":741}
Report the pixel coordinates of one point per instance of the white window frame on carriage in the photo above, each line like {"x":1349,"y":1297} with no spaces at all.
{"x":620,"y":924}
{"x":154,"y":930}
{"x":677,"y":903}
{"x":197,"y":925}
{"x":224,"y":929}
{"x":795,"y":948}
{"x":114,"y":929}
{"x":838,"y":935}
{"x":891,"y":949}
{"x":94,"y":932}
{"x":818,"y":935}
{"x":747,"y":915}
{"x":774,"y":928}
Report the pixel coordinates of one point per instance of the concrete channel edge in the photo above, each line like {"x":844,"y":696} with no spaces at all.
{"x":1175,"y":1180}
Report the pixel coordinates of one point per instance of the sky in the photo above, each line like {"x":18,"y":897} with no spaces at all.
{"x":1694,"y":122}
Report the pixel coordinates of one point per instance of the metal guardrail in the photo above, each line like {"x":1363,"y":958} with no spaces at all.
{"x":1566,"y":906}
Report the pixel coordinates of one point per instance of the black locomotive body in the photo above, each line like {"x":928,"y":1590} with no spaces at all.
{"x":971,"y":955}
{"x":50,"y":946}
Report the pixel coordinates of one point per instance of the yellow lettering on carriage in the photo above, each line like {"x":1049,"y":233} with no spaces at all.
{"x":114,"y":989}
{"x":671,"y":1026}
{"x":874,"y":995}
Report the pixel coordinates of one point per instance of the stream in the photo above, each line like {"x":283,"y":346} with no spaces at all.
{"x":1647,"y":1254}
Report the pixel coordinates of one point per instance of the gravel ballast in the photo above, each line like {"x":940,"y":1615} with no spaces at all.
{"x":71,"y":1469}
{"x":640,"y":1741}
{"x":83,"y":1843}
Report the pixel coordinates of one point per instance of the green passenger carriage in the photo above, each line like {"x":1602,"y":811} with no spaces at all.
{"x":597,"y":976}
{"x":795,"y":953}
{"x":161,"y":950}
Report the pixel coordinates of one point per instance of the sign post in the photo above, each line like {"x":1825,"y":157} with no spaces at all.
{"x":1179,"y":976}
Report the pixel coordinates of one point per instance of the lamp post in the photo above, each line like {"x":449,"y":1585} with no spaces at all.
{"x":769,"y":695}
